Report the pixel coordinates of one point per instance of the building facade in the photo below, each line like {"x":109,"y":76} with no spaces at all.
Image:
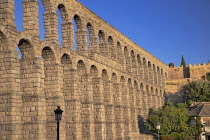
{"x":202,"y":110}
{"x":104,"y":82}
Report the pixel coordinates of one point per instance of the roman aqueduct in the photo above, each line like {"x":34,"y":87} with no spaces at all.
{"x":104,"y":82}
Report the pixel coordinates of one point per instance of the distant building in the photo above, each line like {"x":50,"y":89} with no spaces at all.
{"x":192,"y":71}
{"x":180,"y":76}
{"x":201,"y":109}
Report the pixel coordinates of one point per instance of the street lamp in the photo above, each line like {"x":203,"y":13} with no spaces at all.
{"x":158,"y":128}
{"x":58,"y":115}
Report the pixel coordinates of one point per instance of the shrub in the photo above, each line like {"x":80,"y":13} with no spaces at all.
{"x":208,"y":76}
{"x":176,"y":136}
{"x":187,"y":138}
{"x":166,"y":137}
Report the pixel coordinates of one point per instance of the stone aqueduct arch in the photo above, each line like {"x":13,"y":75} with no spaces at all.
{"x":102,"y":86}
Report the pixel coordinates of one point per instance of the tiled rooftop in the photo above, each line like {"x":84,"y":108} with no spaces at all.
{"x":200,"y":109}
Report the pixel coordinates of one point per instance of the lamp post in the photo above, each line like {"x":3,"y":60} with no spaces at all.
{"x":58,"y":115}
{"x":158,"y":128}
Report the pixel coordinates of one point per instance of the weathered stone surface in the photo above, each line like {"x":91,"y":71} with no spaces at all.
{"x":103,"y":86}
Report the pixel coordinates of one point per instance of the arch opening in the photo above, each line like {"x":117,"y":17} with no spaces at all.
{"x":144,"y":61}
{"x":18,"y":13}
{"x":48,"y":54}
{"x":77,"y":26}
{"x":62,"y":16}
{"x":25,"y":49}
{"x":90,"y":34}
{"x":60,"y":21}
{"x":66,"y":59}
{"x":2,"y":41}
{"x":119,"y":52}
{"x":101,"y":37}
{"x":94,"y":71}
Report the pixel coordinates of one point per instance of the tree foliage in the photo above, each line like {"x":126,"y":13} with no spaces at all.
{"x":208,"y":76}
{"x":197,"y":91}
{"x":171,"y":65}
{"x":183,"y":62}
{"x":173,"y":120}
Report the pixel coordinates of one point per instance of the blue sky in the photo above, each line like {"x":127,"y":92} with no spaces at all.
{"x":167,"y":29}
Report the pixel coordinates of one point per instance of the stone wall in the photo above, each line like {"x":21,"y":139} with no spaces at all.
{"x":175,"y":89}
{"x":180,"y":76}
{"x":103,"y":86}
{"x":192,"y":71}
{"x":199,"y":71}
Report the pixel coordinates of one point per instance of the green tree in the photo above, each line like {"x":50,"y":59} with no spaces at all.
{"x":174,"y":121}
{"x":208,"y":76}
{"x":183,"y":62}
{"x":197,"y":91}
{"x":171,"y":65}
